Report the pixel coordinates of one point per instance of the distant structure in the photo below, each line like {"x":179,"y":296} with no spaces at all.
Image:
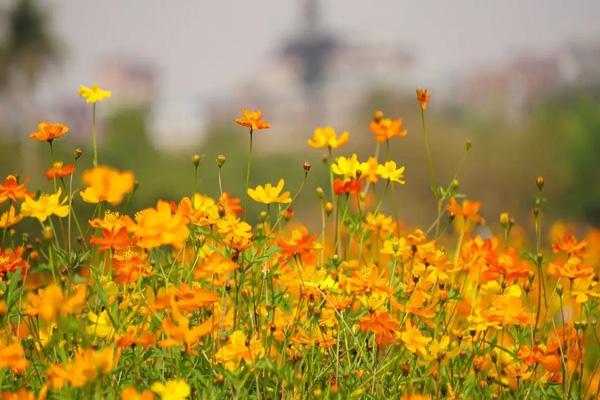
{"x":310,"y":53}
{"x":317,"y":78}
{"x":133,"y":82}
{"x":511,"y":88}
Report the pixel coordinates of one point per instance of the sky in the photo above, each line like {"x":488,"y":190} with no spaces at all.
{"x":211,"y":46}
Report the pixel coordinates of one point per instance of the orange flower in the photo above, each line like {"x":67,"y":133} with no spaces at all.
{"x":136,"y":336}
{"x":230,"y":204}
{"x":50,"y":302}
{"x":130,"y":393}
{"x":106,"y":184}
{"x":215,"y":266}
{"x":569,"y":245}
{"x":160,"y":226}
{"x":130,"y":265}
{"x":382,"y":324}
{"x":12,"y":356}
{"x":252,"y":120}
{"x":112,"y":239}
{"x":10,"y":189}
{"x":87,"y":366}
{"x":468,"y":210}
{"x":11,"y":260}
{"x":385,"y":128}
{"x":179,"y":332}
{"x":59,"y":170}
{"x":300,"y":243}
{"x":423,"y":96}
{"x":47,"y":131}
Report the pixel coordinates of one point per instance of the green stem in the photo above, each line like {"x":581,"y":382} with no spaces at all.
{"x":94,"y":144}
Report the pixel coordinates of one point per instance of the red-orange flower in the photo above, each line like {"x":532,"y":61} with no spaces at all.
{"x":353,"y":186}
{"x":299,"y":244}
{"x":130,"y":265}
{"x":252,"y":120}
{"x":115,"y":239}
{"x":13,"y":190}
{"x":11,"y":260}
{"x":382,"y":324}
{"x":59,"y":170}
{"x":423,"y":96}
{"x":231,"y":205}
{"x":48,"y":131}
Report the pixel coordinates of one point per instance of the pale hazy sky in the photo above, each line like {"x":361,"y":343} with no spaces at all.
{"x":210,"y":46}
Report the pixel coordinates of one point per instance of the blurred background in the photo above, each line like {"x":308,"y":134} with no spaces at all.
{"x":520,"y":79}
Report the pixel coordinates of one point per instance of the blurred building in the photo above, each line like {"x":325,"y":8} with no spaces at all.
{"x":317,"y":77}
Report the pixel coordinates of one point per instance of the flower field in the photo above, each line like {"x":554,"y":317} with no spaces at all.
{"x":196,"y":298}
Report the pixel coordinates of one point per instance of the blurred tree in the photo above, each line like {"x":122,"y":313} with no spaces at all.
{"x":572,"y":122}
{"x":27,"y":49}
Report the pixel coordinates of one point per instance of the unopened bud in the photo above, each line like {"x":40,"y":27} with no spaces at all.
{"x":220,"y":160}
{"x":196,"y":160}
{"x":263,"y":216}
{"x":539,"y":181}
{"x":328,"y":207}
{"x":468,"y":144}
{"x":47,"y":233}
{"x":377,"y":116}
{"x":306,"y":166}
{"x":77,"y":153}
{"x":320,"y":192}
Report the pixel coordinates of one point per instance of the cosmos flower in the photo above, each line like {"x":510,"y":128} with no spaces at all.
{"x":94,"y":94}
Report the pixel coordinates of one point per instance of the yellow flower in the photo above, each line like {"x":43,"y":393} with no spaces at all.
{"x":396,"y":247}
{"x":45,"y":206}
{"x":270,"y":194}
{"x":413,"y":340}
{"x":349,"y":168}
{"x":389,"y":171}
{"x":326,"y":137}
{"x":239,"y":349}
{"x":101,"y":325}
{"x":176,"y":389}
{"x":106,"y":184}
{"x":10,"y":218}
{"x":94,"y":94}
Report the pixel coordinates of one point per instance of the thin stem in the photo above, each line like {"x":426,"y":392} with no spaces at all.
{"x":428,"y":153}
{"x":94,"y":144}
{"x":248,"y":168}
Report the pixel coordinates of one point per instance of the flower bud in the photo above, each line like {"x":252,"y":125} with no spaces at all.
{"x":196,"y":160}
{"x":320,"y":192}
{"x":77,"y":153}
{"x":539,"y":181}
{"x":47,"y":233}
{"x":306,"y":166}
{"x":288,"y":213}
{"x":377,"y":115}
{"x":328,"y":207}
{"x":468,"y":144}
{"x":220,"y":160}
